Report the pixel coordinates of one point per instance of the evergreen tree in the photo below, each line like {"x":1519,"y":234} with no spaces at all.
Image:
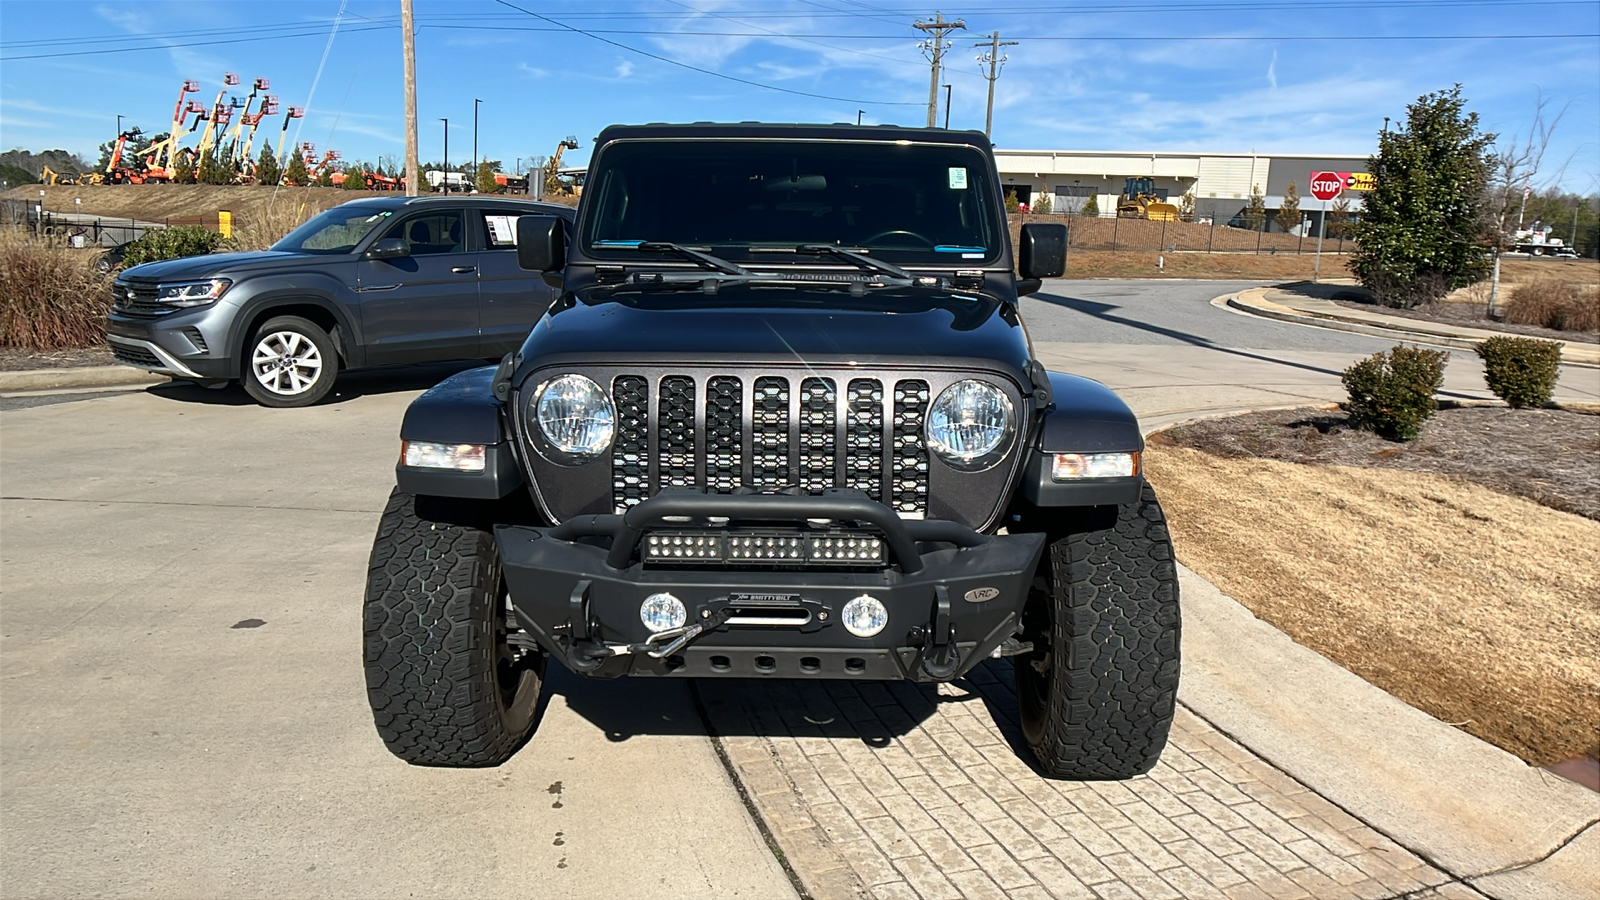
{"x":1091,"y":207}
{"x":1013,"y":205}
{"x":295,"y":173}
{"x":183,"y":167}
{"x":1420,"y":234}
{"x":212,"y":170}
{"x":1289,"y":213}
{"x":1255,"y":213}
{"x":355,"y":179}
{"x":325,"y":177}
{"x":484,"y":181}
{"x":1043,"y":205}
{"x":1339,"y":219}
{"x":267,"y":171}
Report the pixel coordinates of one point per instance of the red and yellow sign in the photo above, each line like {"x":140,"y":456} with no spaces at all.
{"x":1358,"y":181}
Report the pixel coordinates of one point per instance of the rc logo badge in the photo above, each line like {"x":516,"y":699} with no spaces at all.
{"x":982,"y":595}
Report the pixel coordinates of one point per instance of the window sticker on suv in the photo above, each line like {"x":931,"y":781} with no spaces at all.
{"x":958,"y":178}
{"x":502,"y":231}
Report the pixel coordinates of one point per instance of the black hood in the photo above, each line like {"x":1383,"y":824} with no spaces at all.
{"x":196,"y":268}
{"x":813,"y":324}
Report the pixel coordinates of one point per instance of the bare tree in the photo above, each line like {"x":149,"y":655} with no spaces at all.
{"x":1516,"y":170}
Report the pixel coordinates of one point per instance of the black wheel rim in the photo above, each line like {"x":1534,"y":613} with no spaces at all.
{"x":517,"y":668}
{"x":1034,"y":669}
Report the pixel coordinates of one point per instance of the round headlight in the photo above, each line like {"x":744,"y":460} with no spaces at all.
{"x":575,"y":417}
{"x":969,"y":424}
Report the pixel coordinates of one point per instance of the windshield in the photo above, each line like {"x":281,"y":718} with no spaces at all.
{"x":338,"y":230}
{"x":751,"y":200}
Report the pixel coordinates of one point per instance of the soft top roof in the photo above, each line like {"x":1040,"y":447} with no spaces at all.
{"x":839,"y":132}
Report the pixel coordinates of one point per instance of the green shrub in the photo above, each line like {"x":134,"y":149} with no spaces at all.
{"x":171,"y":243}
{"x":1521,"y":371}
{"x":1013,"y":205}
{"x":51,"y":297}
{"x":1392,"y":393}
{"x":1091,"y":206}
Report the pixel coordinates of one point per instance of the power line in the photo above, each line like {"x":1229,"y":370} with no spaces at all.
{"x":683,"y":65}
{"x":244,"y":40}
{"x":935,"y":46}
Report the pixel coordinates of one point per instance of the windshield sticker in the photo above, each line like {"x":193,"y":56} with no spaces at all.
{"x":617,"y":243}
{"x":502,"y":230}
{"x":957,"y":248}
{"x":958,"y":178}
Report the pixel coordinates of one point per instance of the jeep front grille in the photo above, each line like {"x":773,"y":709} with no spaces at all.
{"x":771,"y":433}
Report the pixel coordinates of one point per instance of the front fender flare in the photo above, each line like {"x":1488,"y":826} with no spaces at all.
{"x":1086,"y":417}
{"x":462,"y":409}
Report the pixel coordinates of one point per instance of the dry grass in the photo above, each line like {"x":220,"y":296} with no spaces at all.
{"x":1557,"y":305}
{"x":51,"y":298}
{"x":1478,"y":608}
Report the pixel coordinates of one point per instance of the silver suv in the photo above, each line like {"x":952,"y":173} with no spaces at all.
{"x":374,"y":282}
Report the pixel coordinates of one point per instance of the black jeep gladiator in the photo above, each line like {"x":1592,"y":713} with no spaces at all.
{"x":782,"y":420}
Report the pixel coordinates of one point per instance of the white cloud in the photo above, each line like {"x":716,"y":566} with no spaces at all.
{"x":1272,"y":70}
{"x":624,"y":69}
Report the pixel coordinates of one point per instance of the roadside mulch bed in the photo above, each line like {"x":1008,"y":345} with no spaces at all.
{"x":14,"y":360}
{"x":1443,"y":571}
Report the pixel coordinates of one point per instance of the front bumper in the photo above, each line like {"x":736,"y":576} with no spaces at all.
{"x":185,"y":344}
{"x":953,"y":595}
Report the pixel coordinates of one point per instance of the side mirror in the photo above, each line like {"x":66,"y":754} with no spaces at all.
{"x":541,"y":244}
{"x":388,"y":248}
{"x":1042,"y":252}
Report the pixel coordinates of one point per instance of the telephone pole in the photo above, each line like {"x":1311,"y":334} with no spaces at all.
{"x":935,"y":47}
{"x":995,"y":60}
{"x":409,"y":48}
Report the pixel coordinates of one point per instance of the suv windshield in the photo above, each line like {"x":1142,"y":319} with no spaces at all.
{"x":745,"y":199}
{"x":338,"y":230}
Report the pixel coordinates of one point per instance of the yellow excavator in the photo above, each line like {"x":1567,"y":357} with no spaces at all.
{"x":51,"y":176}
{"x":1140,"y":201}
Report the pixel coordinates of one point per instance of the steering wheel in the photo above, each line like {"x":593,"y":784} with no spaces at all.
{"x":910,"y":234}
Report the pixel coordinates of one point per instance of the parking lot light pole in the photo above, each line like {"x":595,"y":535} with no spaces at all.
{"x":446,"y":155}
{"x":475,"y":103}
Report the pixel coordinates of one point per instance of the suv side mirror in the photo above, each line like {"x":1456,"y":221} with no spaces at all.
{"x":541,"y":243}
{"x":388,"y":248}
{"x":1043,"y":250}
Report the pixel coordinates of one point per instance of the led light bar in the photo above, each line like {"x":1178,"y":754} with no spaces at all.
{"x":743,"y":548}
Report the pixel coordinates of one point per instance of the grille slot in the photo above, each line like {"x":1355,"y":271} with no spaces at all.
{"x":732,"y":433}
{"x":910,"y":475}
{"x":675,"y":440}
{"x":819,"y":408}
{"x":724,"y":434}
{"x":138,"y":300}
{"x":769,"y":434}
{"x":630,"y":456}
{"x":863,"y":437}
{"x":136,"y":356}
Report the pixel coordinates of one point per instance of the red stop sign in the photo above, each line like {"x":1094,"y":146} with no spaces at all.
{"x":1326,"y":185}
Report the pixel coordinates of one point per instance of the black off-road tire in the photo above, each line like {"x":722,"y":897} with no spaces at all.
{"x":1096,"y":696}
{"x":445,"y":686}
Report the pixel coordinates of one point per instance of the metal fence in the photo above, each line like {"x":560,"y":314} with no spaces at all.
{"x":79,"y":229}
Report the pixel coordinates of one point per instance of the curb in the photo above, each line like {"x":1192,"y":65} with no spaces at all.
{"x":73,"y":377}
{"x":1258,"y":305}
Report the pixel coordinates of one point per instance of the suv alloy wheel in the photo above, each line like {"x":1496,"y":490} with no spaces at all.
{"x":288,"y":362}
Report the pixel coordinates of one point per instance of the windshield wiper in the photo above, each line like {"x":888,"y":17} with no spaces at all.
{"x":860,"y":259}
{"x":706,"y":260}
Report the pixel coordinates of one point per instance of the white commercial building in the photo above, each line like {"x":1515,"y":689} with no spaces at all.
{"x":1222,"y":182}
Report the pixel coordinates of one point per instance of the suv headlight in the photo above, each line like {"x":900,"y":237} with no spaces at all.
{"x":970,"y":424}
{"x":575,"y":418}
{"x":192,"y":293}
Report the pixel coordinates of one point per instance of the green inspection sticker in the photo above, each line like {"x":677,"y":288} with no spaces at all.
{"x":958,"y":178}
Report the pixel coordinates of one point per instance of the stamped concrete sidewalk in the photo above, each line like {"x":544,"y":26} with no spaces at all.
{"x":1286,"y":776}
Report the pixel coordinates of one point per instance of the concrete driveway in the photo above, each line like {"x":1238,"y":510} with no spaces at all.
{"x":182,"y":709}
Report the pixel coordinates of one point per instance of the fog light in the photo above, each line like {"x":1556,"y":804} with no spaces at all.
{"x":864,"y":616}
{"x":1073,"y":466}
{"x":428,"y":455}
{"x":662,"y":612}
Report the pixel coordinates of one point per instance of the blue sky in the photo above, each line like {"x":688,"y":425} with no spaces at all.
{"x":1225,"y":75}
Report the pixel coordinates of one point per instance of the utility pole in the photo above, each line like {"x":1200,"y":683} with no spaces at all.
{"x":994,"y":60}
{"x":475,"y":103}
{"x":947,"y":107}
{"x":935,"y":46}
{"x":408,"y":47}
